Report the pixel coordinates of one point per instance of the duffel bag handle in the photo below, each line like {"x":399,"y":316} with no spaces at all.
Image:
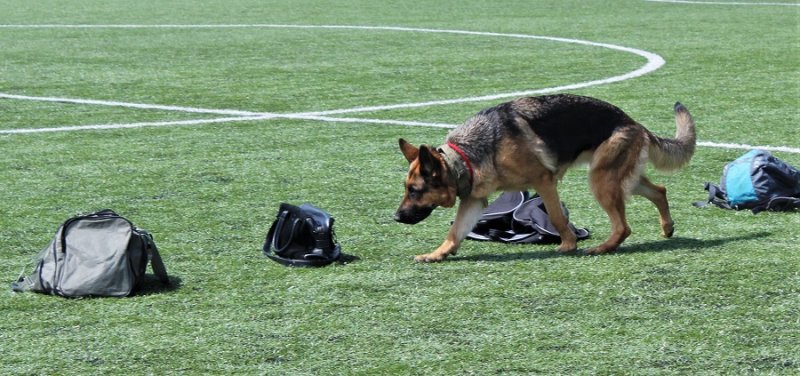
{"x":278,"y":229}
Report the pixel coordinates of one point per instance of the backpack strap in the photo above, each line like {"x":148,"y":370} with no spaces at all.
{"x":22,"y":284}
{"x":779,"y":203}
{"x":716,"y":196}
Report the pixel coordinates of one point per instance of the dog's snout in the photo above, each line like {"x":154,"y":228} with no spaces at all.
{"x":412,"y":215}
{"x":404,"y":217}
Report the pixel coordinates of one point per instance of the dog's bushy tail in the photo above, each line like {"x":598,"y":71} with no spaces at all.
{"x":674,"y":153}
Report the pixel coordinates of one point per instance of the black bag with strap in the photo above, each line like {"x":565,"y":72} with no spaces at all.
{"x":515,"y":217}
{"x":302,"y":236}
{"x":757,"y":181}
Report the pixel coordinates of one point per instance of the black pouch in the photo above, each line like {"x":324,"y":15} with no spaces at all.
{"x":531,"y":224}
{"x":302,"y":236}
{"x":496,"y":223}
{"x":515,"y":217}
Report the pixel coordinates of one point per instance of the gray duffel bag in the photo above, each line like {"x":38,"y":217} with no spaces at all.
{"x":99,"y":254}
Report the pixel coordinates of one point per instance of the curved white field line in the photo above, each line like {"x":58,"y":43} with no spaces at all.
{"x":654,"y":62}
{"x":722,"y":3}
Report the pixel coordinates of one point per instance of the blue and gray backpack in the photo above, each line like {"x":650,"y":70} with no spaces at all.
{"x":757,"y":181}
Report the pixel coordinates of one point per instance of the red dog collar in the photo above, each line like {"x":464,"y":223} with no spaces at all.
{"x":466,"y":160}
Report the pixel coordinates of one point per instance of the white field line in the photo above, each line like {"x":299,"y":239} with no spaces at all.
{"x":653,"y":62}
{"x":153,"y":124}
{"x":328,"y":119}
{"x":719,"y":145}
{"x":156,"y":124}
{"x":722,"y":3}
{"x":142,"y":106}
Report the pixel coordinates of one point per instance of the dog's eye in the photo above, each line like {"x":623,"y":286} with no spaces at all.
{"x":413,"y":193}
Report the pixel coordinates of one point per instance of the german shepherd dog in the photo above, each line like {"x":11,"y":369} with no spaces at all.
{"x":530,"y":143}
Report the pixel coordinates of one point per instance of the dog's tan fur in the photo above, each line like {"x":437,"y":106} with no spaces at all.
{"x":507,"y":151}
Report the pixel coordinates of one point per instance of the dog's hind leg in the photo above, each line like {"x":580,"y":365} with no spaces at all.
{"x":616,"y":169}
{"x":612,"y":199}
{"x":469,"y":212}
{"x":657,"y":194}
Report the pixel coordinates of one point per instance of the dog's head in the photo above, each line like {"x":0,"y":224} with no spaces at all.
{"x":427,"y":185}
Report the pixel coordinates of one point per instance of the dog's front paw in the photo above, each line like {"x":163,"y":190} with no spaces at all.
{"x":566,"y":248}
{"x":429,"y":257}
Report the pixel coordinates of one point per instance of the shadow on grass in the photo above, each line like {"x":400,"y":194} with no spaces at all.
{"x":664,"y":245}
{"x":675,"y":243}
{"x":345,"y":259}
{"x":151,"y":285}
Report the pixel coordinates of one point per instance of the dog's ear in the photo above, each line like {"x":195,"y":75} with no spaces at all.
{"x":429,"y":165}
{"x":411,"y":152}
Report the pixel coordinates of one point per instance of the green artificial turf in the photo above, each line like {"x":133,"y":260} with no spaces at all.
{"x":721,"y":297}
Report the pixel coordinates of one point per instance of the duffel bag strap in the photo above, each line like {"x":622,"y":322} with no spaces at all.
{"x":159,"y":269}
